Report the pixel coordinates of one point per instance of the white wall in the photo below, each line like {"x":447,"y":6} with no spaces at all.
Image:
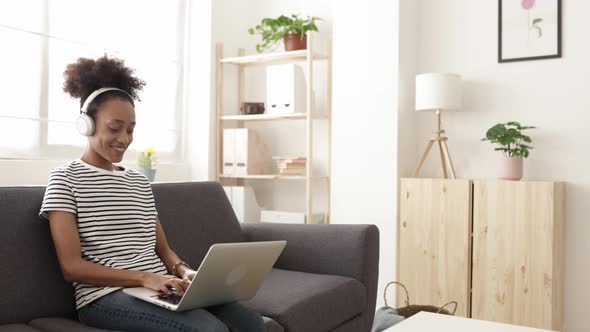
{"x":460,"y":36}
{"x":407,"y":62}
{"x":199,"y":57}
{"x":364,"y":140}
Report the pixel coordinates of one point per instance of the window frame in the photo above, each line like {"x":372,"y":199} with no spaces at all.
{"x":45,"y":151}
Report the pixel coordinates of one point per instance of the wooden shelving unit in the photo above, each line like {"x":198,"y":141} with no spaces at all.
{"x":307,"y":57}
{"x":272,"y":177}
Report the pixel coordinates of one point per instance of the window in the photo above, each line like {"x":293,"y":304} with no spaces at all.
{"x":40,"y":37}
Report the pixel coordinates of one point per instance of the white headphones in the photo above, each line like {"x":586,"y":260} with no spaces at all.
{"x":85,"y":124}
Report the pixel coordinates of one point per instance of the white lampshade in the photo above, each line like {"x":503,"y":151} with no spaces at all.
{"x":435,"y":91}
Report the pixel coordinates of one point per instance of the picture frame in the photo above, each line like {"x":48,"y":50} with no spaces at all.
{"x":529,"y":30}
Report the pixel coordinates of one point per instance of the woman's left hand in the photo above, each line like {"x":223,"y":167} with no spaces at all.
{"x":189,"y":275}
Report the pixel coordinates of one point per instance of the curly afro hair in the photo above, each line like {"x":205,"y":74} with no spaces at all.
{"x":87,"y":75}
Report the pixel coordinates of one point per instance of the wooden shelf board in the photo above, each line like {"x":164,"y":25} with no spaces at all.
{"x":272,"y":177}
{"x":265,"y":117}
{"x":269,"y":58}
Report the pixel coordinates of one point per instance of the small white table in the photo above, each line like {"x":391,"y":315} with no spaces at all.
{"x":429,"y":322}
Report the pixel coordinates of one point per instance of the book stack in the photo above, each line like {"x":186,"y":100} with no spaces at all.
{"x":291,"y":165}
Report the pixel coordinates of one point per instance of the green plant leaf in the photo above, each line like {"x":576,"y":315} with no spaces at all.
{"x":509,"y":138}
{"x":272,"y":30}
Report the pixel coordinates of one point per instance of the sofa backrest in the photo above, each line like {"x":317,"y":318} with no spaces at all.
{"x":194,"y":216}
{"x":32,"y":283}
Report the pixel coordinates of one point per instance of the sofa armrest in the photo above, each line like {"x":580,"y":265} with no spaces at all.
{"x":343,"y":250}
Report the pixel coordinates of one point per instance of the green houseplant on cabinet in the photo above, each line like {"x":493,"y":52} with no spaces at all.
{"x":513,"y":143}
{"x":292,"y":29}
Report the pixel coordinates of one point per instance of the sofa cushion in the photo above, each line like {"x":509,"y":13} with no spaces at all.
{"x":271,"y":325}
{"x":30,"y":268}
{"x":18,"y":328}
{"x":194,"y":216}
{"x":57,"y":324}
{"x":308,"y":302}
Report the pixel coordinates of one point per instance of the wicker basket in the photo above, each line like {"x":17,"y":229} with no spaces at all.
{"x":411,"y":309}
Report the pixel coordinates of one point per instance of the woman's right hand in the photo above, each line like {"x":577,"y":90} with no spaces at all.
{"x":164,"y":283}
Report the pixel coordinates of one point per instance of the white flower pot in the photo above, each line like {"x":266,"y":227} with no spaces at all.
{"x":510,"y":168}
{"x":148,"y":172}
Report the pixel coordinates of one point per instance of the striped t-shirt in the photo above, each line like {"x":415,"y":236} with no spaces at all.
{"x":116,"y":219}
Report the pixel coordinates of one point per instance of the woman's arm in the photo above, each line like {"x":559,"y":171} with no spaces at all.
{"x":64,"y":232}
{"x":168,"y":256}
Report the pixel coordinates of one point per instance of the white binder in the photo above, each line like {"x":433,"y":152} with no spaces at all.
{"x":285,"y":89}
{"x":227,"y":190}
{"x":229,"y":152}
{"x":244,"y":204}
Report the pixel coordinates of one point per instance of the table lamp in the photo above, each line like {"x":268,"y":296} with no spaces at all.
{"x":438,"y":92}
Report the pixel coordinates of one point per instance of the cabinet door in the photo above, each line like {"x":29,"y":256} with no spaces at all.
{"x":434,"y":242}
{"x":517,"y":250}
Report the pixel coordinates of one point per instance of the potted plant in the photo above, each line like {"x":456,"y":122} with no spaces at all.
{"x":511,"y":141}
{"x":146,"y":163}
{"x":293,"y":30}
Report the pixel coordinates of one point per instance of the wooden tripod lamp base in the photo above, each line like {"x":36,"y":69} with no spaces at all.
{"x":445,"y":156}
{"x":437,"y":92}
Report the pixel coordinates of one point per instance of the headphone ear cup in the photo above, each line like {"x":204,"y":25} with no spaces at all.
{"x":85,"y":125}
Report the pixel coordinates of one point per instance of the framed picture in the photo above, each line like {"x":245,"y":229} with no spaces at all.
{"x":529,"y":30}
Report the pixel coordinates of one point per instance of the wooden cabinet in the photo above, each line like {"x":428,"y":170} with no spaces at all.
{"x":496,"y":247}
{"x":434,"y":242}
{"x":518,"y":252}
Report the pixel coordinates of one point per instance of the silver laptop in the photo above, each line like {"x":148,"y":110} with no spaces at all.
{"x":230,"y":272}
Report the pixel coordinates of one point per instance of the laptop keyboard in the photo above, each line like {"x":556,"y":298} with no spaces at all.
{"x":173,"y":298}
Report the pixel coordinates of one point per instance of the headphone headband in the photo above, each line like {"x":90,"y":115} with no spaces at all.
{"x":95,"y":94}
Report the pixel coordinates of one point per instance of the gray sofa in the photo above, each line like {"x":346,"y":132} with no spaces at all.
{"x":325,"y":279}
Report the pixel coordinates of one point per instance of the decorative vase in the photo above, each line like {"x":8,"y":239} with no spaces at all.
{"x":150,"y":173}
{"x":510,"y":168}
{"x":294,"y":42}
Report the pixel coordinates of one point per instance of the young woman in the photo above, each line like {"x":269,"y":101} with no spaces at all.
{"x":104,"y":221}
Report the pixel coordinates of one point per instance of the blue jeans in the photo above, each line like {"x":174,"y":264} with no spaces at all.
{"x":119,"y":311}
